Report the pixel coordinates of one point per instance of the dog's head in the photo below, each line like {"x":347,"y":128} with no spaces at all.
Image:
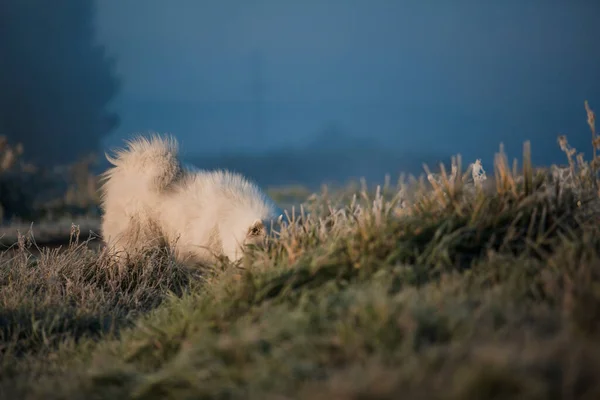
{"x":256,"y":234}
{"x":249,"y":233}
{"x":260,"y":229}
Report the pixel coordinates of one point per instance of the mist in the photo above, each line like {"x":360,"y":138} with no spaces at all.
{"x":314,"y":90}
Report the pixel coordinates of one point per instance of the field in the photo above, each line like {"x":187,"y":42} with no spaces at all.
{"x":459,"y":286}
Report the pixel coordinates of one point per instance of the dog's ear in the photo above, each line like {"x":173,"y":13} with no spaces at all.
{"x":256,"y":229}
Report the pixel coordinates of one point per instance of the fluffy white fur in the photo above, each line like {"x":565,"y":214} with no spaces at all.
{"x":150,"y":198}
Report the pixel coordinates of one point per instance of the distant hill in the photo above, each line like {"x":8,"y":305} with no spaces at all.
{"x":314,"y":165}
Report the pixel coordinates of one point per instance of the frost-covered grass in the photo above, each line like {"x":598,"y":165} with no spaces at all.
{"x":467,"y":288}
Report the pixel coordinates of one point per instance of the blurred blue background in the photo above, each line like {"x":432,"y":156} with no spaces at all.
{"x":312,"y":91}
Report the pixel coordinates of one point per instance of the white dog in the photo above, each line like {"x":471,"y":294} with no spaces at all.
{"x":149,"y":198}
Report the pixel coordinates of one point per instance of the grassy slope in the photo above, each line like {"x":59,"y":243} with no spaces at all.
{"x":460,"y":295}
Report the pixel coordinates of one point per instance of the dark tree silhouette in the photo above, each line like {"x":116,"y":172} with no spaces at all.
{"x":56,"y":82}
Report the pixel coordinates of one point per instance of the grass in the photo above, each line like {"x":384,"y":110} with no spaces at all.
{"x":461,"y":289}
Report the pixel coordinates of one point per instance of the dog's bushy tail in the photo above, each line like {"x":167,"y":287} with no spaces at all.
{"x":153,"y":160}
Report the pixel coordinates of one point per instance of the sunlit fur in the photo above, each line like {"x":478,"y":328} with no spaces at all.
{"x":150,"y":198}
